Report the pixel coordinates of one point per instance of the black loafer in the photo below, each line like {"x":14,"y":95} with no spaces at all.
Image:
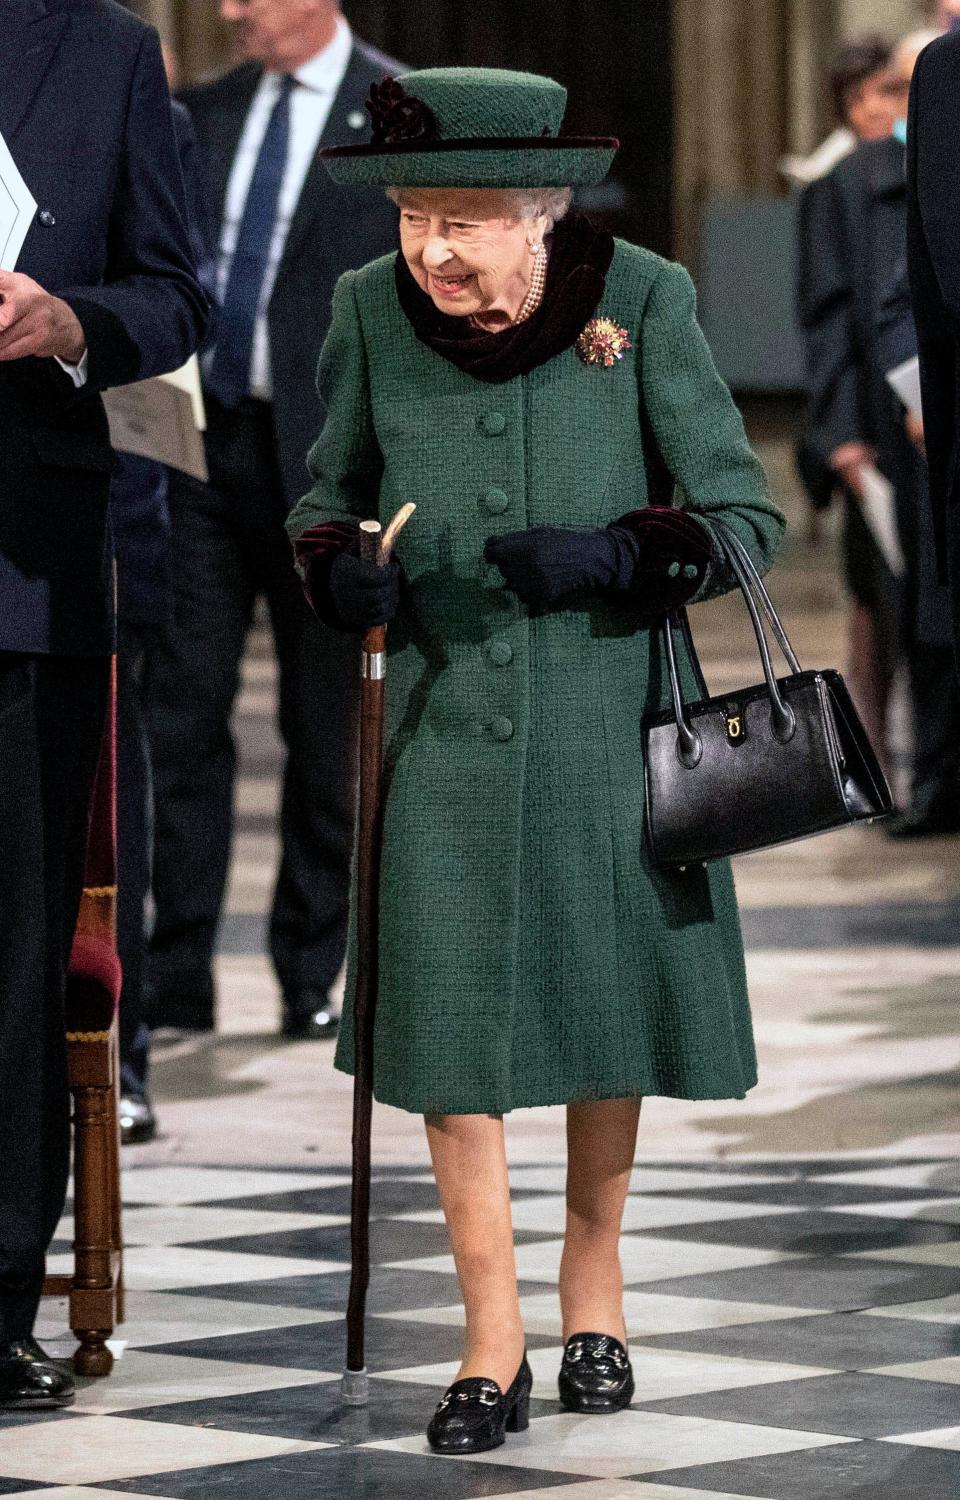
{"x":474,"y":1415}
{"x":315,"y":1021}
{"x":29,"y":1379}
{"x":138,"y":1123}
{"x":596,"y":1374}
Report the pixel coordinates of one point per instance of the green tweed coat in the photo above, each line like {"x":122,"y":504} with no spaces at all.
{"x":529,"y":954}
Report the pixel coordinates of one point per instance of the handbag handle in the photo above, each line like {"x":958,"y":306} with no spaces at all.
{"x":782,"y":720}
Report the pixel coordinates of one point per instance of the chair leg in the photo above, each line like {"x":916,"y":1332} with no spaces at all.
{"x":116,"y":1191}
{"x":92,"y":1298}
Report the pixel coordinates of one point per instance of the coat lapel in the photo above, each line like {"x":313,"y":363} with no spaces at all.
{"x":32,"y":37}
{"x":340,"y":127}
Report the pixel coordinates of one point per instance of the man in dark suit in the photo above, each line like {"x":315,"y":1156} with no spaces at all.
{"x":104,"y":293}
{"x":933,"y":243}
{"x":284,"y":234}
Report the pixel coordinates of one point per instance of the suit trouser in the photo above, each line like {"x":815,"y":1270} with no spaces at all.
{"x":51,"y":722}
{"x":133,"y":849}
{"x":228,"y":546}
{"x":935,"y":691}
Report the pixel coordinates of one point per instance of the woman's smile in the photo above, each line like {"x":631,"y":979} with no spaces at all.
{"x":449,"y":286}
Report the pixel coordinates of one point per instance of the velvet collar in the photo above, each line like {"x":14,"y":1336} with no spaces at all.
{"x":580,"y":257}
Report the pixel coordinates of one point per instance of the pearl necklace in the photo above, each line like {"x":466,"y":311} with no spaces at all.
{"x":534,"y":297}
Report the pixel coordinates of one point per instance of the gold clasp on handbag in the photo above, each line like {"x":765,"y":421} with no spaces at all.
{"x":734,"y":722}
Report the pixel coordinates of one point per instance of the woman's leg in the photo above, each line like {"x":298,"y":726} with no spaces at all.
{"x":470,"y":1165}
{"x":601,"y":1140}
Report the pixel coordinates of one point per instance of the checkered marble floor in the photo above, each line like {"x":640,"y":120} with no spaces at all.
{"x":794,"y":1327}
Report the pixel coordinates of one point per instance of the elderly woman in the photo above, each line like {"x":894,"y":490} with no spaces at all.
{"x":537,"y":388}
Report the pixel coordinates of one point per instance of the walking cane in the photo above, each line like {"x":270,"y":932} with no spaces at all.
{"x":375,"y":546}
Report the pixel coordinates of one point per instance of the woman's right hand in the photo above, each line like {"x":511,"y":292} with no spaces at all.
{"x":364,"y":594}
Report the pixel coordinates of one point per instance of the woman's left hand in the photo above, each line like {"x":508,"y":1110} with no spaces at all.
{"x":550,"y":563}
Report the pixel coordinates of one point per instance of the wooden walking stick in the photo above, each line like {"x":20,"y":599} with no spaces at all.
{"x":375,"y":546}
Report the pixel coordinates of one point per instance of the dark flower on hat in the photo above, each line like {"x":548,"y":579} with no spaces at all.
{"x":398,"y":116}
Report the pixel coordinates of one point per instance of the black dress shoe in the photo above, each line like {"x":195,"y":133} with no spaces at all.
{"x":310,"y":1018}
{"x":596,"y":1374}
{"x":475,"y":1414}
{"x":138,"y":1123}
{"x":29,"y":1380}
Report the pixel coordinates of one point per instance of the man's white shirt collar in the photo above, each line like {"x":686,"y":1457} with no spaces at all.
{"x":323,"y":73}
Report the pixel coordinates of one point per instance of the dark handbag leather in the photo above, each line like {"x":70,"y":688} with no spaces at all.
{"x":763,"y":765}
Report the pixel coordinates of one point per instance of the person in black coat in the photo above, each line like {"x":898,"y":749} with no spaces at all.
{"x":141,"y":527}
{"x":933,"y":245}
{"x":104,"y":292}
{"x":284,"y":234}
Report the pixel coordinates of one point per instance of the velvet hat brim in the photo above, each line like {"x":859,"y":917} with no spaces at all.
{"x":560,"y":161}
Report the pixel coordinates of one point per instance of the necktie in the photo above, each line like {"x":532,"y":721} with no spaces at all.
{"x":229,"y":375}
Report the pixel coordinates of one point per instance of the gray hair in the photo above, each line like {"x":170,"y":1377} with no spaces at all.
{"x":528,"y":203}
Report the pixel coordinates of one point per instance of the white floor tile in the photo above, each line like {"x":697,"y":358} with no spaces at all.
{"x":214,"y":1184}
{"x":936,"y":1310}
{"x":632,"y":1442}
{"x":101,"y":1449}
{"x":939,"y":1437}
{"x":947,"y":1371}
{"x":642,"y":1257}
{"x":155,"y":1268}
{"x":647,"y":1314}
{"x":945,"y":1254}
{"x":175,"y":1224}
{"x":84,"y":1492}
{"x":142,"y":1379}
{"x":165,"y":1318}
{"x":929,"y":1175}
{"x":660,"y":1375}
{"x":548,"y":1211}
{"x":937,"y":1210}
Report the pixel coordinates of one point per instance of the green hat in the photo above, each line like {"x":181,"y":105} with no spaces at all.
{"x":470,"y":127}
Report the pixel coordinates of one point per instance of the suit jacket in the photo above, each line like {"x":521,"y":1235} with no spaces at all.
{"x":933,"y":245}
{"x":139,"y":510}
{"x":852,"y":238}
{"x":86,"y":115}
{"x":333,"y":230}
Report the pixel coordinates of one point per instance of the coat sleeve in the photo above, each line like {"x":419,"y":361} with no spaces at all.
{"x":825,"y":313}
{"x":345,"y":462}
{"x":150,"y":313}
{"x":934,"y":324}
{"x":698,"y":429}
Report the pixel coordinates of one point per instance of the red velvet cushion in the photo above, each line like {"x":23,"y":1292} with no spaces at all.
{"x":94,"y":981}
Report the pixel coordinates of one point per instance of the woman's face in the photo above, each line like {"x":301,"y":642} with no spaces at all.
{"x":468,"y":250}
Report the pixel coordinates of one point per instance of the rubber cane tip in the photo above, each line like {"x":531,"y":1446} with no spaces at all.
{"x":355,"y":1387}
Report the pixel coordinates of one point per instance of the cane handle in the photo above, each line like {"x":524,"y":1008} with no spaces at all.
{"x":394,"y":529}
{"x":370,"y":534}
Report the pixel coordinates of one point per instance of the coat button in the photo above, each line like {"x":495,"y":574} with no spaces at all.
{"x":501,"y":727}
{"x":493,"y":423}
{"x":47,"y":219}
{"x":691,"y":571}
{"x":495,"y":502}
{"x":500,"y":653}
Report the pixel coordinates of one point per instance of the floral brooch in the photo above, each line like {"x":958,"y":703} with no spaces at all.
{"x":603,"y":343}
{"x":398,"y":116}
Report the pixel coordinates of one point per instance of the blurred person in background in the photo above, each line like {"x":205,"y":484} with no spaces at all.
{"x":859,"y":87}
{"x":860,"y":424}
{"x":284,"y":234}
{"x":934,"y":260}
{"x":141,"y":527}
{"x":948,"y":14}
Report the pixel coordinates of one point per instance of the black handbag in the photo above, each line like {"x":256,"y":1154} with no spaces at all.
{"x":760,"y":766}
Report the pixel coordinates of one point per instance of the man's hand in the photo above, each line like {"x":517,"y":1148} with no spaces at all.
{"x":34,"y":322}
{"x":915,"y":430}
{"x":848,"y":461}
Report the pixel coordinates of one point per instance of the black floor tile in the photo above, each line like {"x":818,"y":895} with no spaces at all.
{"x":839,"y":1341}
{"x":391,"y":1345}
{"x":847,"y":1471}
{"x":389,"y":1290}
{"x":316,"y":1414}
{"x":812,"y":1232}
{"x":346,"y":1474}
{"x":921,"y":924}
{"x":386,"y":1198}
{"x":824,"y":1282}
{"x":805,"y":1193}
{"x":850,"y":1405}
{"x":389,"y":1240}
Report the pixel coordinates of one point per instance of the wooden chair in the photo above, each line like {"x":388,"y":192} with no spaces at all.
{"x":95,"y":1290}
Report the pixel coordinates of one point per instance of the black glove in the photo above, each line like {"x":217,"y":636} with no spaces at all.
{"x":550,"y":563}
{"x":363,"y":593}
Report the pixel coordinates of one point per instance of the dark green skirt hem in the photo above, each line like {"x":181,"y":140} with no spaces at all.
{"x":649,"y":1090}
